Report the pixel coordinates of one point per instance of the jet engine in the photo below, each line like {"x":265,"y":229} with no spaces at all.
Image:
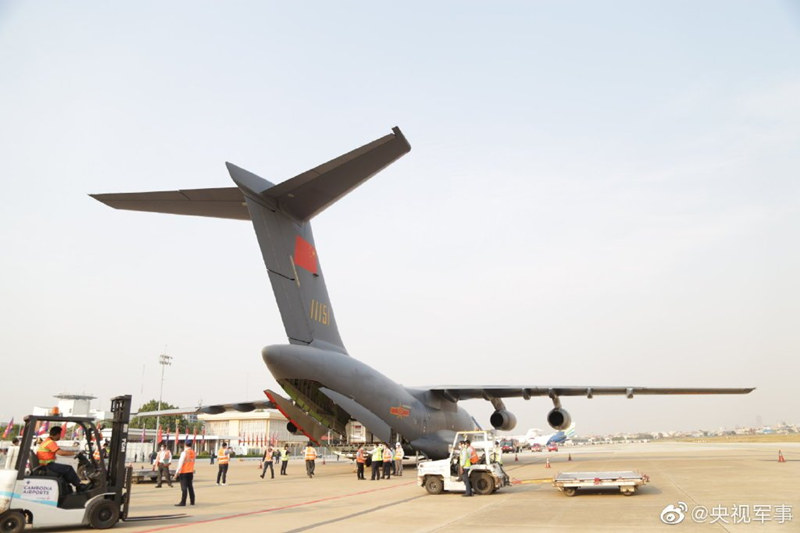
{"x":291,"y":428}
{"x":559,"y":419}
{"x":503,"y":420}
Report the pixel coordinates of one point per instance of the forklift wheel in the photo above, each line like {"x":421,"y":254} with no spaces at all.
{"x":12,"y":522}
{"x":103,"y":514}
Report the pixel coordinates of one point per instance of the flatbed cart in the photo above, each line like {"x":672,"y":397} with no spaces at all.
{"x":148,"y":474}
{"x":626,"y":481}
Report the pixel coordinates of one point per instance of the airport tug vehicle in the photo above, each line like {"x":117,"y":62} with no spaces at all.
{"x":626,"y":481}
{"x":486,"y":476}
{"x":30,"y":494}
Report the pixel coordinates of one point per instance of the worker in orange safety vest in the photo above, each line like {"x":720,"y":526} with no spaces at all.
{"x":46,"y":453}
{"x":361,"y":459}
{"x":223,"y":458}
{"x":388,"y":456}
{"x":311,"y":457}
{"x":185,"y":473}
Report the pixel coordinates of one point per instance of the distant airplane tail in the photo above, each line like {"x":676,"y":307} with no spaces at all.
{"x":280,"y":215}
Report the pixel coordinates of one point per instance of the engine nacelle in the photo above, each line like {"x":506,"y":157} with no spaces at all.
{"x":503,"y":420}
{"x":291,"y":428}
{"x":559,"y":419}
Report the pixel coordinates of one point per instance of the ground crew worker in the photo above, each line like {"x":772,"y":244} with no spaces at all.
{"x":223,"y":457}
{"x":311,"y":456}
{"x":185,"y":474}
{"x":465,"y":461}
{"x":497,"y":457}
{"x":497,"y":454}
{"x":162,"y":462}
{"x":388,"y":455}
{"x":377,"y":461}
{"x":361,"y":458}
{"x":266,"y":462}
{"x":284,"y":459}
{"x":399,"y":453}
{"x":46,"y":453}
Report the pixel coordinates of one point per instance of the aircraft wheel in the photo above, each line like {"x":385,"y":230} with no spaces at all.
{"x":482,"y":483}
{"x":434,"y":485}
{"x":103,"y":514}
{"x":12,"y":522}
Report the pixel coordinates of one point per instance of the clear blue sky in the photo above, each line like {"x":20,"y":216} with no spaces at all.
{"x":597,"y":194}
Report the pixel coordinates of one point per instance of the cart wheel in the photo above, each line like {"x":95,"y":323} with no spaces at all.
{"x":103,"y":514}
{"x":12,"y":522}
{"x":570,"y":491}
{"x":434,"y":485}
{"x":482,"y":483}
{"x":629,"y":492}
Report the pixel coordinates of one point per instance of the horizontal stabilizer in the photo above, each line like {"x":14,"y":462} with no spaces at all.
{"x":225,"y":202}
{"x":303,"y":422}
{"x":305,"y":196}
{"x":301,"y":197}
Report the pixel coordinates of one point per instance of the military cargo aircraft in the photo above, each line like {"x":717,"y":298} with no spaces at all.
{"x":327,"y":387}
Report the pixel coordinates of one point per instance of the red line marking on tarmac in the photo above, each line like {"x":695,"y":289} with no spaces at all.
{"x":262,"y":511}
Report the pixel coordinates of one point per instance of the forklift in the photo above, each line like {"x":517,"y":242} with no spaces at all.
{"x":30,"y":494}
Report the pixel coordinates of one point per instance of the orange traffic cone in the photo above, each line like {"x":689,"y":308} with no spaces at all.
{"x":780,"y":457}
{"x":569,"y":457}
{"x":516,"y":457}
{"x":547,"y":463}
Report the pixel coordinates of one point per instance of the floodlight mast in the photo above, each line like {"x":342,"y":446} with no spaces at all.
{"x":163,"y":360}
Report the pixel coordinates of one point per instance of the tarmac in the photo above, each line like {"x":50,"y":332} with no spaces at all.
{"x":723,"y":487}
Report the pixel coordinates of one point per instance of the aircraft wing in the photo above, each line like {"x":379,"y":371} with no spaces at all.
{"x":242,"y":407}
{"x":456,"y":393}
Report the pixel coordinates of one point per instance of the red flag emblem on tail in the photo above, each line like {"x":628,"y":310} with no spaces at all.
{"x":305,"y":256}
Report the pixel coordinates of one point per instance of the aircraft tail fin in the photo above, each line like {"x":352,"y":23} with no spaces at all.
{"x":281,"y":214}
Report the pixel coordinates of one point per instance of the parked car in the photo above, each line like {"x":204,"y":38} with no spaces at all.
{"x":552,"y":447}
{"x":536,"y":447}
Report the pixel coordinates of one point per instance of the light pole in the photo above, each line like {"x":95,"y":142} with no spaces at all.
{"x":163,"y":360}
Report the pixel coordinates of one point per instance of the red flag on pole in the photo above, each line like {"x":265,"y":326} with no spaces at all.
{"x":8,"y":428}
{"x":63,"y":431}
{"x":142,"y":433}
{"x":158,"y":435}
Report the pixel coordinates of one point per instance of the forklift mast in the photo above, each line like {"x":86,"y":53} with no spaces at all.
{"x":121,"y":410}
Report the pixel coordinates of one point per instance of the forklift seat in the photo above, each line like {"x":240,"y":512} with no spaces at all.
{"x":37,"y":469}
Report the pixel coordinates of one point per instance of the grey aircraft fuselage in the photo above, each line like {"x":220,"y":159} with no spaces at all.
{"x":408,"y":411}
